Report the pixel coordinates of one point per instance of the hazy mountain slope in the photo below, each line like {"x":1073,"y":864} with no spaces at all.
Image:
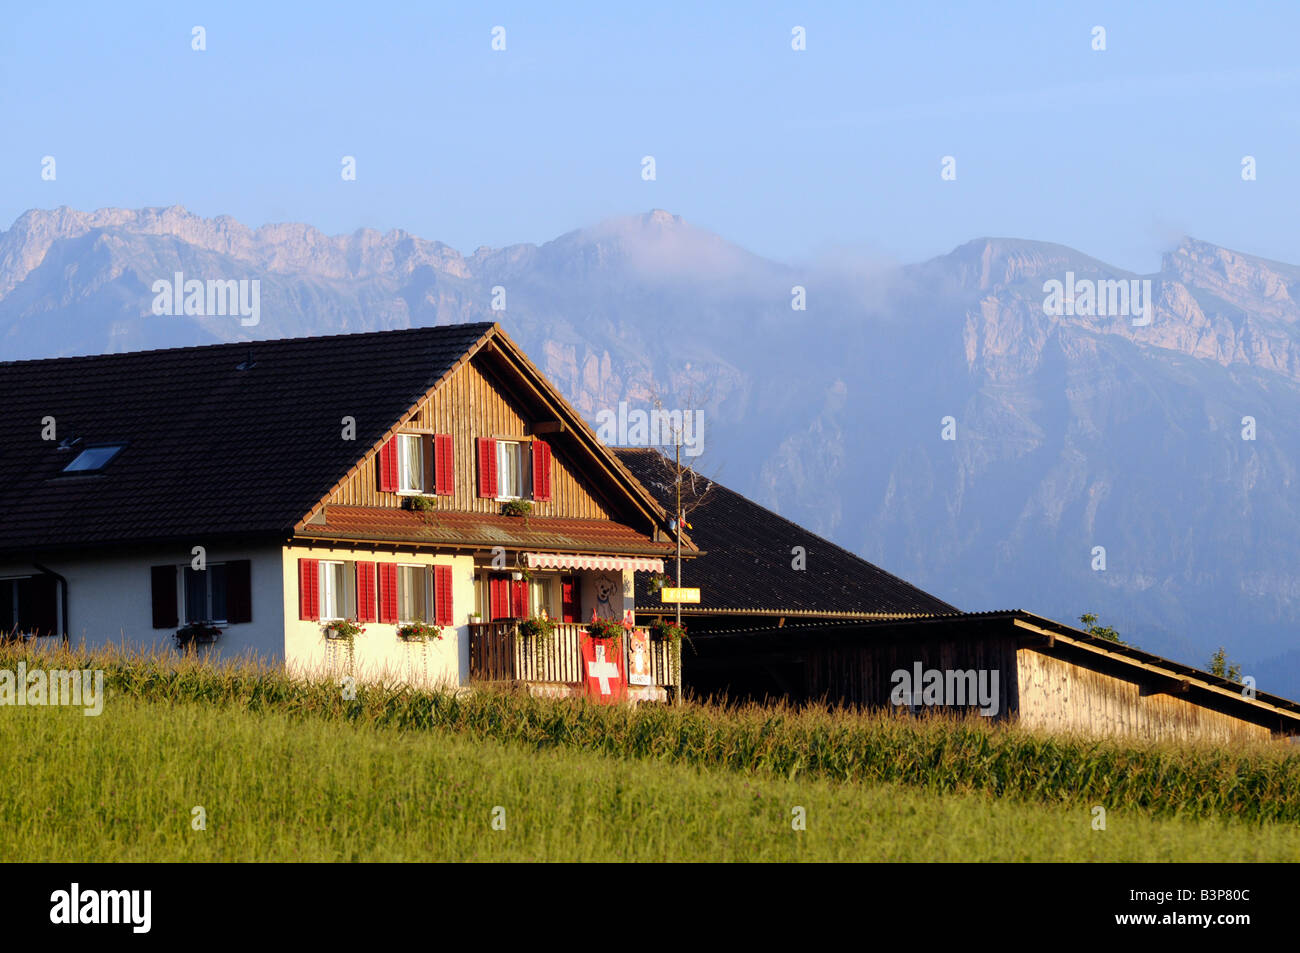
{"x":1072,"y":431}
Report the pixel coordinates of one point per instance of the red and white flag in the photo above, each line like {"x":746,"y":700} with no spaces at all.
{"x":602,"y":666}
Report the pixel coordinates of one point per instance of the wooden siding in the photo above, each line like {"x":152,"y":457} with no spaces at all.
{"x":862,"y":675}
{"x":472,"y":404}
{"x":1058,"y":695}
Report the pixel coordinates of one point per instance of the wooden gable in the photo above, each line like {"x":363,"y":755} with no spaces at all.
{"x":495,"y":392}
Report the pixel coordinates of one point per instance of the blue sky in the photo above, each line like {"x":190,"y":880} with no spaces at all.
{"x":791,"y":154}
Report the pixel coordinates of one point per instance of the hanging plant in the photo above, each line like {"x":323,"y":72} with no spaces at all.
{"x":666,"y":630}
{"x":419,"y":632}
{"x":605,"y":629}
{"x":516,"y":508}
{"x":342,"y":629}
{"x":196,"y":633}
{"x":658,"y":581}
{"x":541,"y":629}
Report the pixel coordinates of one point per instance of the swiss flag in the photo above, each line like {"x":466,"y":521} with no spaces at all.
{"x":602,"y":666}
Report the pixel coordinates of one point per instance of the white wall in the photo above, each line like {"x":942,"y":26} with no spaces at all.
{"x":110,"y":600}
{"x":378,"y":654}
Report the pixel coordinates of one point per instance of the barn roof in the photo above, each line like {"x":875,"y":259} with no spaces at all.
{"x":746,"y":565}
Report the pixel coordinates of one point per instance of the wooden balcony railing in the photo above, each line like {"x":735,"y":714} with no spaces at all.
{"x":499,"y":653}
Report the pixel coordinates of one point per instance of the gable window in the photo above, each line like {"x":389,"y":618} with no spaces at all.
{"x":93,"y":459}
{"x":204,"y":593}
{"x":338,"y":596}
{"x":410,"y":463}
{"x":510,"y":470}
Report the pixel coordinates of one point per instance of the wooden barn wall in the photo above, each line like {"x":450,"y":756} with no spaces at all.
{"x":862,"y":674}
{"x":1058,"y":695}
{"x":469,"y":405}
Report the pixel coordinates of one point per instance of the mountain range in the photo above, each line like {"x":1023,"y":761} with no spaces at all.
{"x":1142,"y":470}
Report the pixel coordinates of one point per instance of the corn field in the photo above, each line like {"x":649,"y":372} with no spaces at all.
{"x":934,"y":753}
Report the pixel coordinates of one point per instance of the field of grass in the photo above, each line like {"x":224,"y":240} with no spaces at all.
{"x":286,"y":770}
{"x":123,"y":787}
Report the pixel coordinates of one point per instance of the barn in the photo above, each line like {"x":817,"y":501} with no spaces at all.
{"x":785,"y":614}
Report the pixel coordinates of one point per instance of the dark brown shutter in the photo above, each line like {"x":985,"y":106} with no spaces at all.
{"x":163,"y":581}
{"x":239,"y":591}
{"x":38,"y":605}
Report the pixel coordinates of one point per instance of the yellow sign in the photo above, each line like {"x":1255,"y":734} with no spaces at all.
{"x":668,"y":594}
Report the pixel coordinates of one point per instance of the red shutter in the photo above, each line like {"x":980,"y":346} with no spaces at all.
{"x":163,"y":583}
{"x":519,"y":598}
{"x":499,"y":593}
{"x":366,"y":592}
{"x":387,"y":466}
{"x":388,"y":592}
{"x":445,"y":479}
{"x":442,"y":611}
{"x":487,"y":468}
{"x":541,"y":470}
{"x":308,"y":589}
{"x":239,"y":591}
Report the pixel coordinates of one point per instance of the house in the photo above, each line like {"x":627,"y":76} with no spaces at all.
{"x":784,"y":614}
{"x":254,"y":495}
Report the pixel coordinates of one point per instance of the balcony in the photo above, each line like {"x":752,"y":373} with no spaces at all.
{"x":499,"y":653}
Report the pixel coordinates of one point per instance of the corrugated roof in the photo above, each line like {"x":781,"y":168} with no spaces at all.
{"x":747,"y":560}
{"x":212,"y":449}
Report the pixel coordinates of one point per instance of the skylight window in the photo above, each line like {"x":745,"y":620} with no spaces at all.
{"x":94,"y":459}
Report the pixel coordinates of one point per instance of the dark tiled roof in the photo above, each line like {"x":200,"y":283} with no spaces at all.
{"x":212,"y":450}
{"x":746,"y":564}
{"x":477,"y":530}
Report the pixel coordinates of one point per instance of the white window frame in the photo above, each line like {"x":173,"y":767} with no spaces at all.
{"x":341,"y":601}
{"x":521,"y":472}
{"x":426,"y":578}
{"x":183,"y":599}
{"x":404,"y":441}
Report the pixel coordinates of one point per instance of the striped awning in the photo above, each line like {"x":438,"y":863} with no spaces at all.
{"x":565,"y":561}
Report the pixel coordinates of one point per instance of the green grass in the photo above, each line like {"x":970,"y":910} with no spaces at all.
{"x":291,"y":770}
{"x":275,"y":787}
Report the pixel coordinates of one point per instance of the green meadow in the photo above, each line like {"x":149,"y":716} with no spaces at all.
{"x":189,"y":762}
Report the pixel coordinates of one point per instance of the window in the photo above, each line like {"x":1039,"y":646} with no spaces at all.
{"x":540,"y":596}
{"x":413,"y":596}
{"x":93,"y":459}
{"x":410,"y":463}
{"x":221,"y":593}
{"x":338,"y":597}
{"x":205,"y":594}
{"x":510,"y":476}
{"x":31,"y":605}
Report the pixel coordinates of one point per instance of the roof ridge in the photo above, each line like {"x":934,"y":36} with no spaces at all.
{"x":252,"y":342}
